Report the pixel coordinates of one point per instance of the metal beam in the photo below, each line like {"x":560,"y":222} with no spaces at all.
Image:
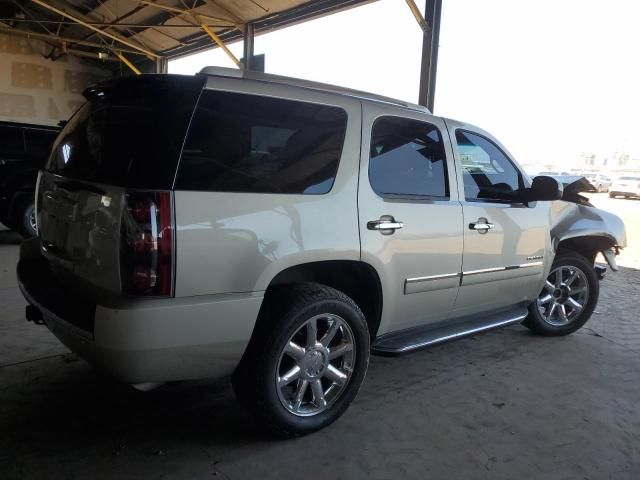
{"x":419,"y":18}
{"x":429,"y":65}
{"x":61,"y":40}
{"x":221,"y":44}
{"x":124,"y":60}
{"x":110,"y":24}
{"x":248,"y":43}
{"x":80,"y":21}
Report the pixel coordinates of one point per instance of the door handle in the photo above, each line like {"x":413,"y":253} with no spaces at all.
{"x":384,"y":224}
{"x":482,"y":225}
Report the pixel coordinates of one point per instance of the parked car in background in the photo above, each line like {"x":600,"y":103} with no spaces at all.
{"x":24,"y":149}
{"x":279,"y":230}
{"x":601,"y":181}
{"x":625,"y":186}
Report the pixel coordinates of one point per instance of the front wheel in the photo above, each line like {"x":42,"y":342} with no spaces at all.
{"x":569,"y":296}
{"x":306,"y":361}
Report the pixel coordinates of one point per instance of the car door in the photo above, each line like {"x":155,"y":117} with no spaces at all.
{"x":506,"y":241}
{"x":410,"y":217}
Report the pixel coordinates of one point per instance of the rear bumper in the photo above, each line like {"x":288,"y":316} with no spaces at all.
{"x":158,"y":340}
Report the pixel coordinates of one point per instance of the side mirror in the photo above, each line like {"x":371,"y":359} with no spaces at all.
{"x":543,"y":188}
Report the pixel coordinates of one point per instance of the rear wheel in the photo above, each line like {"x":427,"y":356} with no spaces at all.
{"x":306,"y":361}
{"x":25,"y":219}
{"x":568,"y":298}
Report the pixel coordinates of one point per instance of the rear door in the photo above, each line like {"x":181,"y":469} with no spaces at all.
{"x":410,"y":217}
{"x":505,"y":240}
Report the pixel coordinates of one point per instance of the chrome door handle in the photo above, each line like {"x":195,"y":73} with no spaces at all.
{"x":481,"y":226}
{"x":383,"y":224}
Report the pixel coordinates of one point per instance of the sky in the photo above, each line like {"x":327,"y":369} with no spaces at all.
{"x":551,"y":79}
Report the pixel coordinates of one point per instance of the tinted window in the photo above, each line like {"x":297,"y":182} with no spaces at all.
{"x":129,"y":133}
{"x":11,"y":142}
{"x":249,"y":143}
{"x":39,"y":142}
{"x":407,"y":158}
{"x":486,"y":171}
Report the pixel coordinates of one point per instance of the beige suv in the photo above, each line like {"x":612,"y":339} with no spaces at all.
{"x":280,"y":231}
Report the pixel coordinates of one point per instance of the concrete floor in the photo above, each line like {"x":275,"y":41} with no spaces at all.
{"x":502,"y":405}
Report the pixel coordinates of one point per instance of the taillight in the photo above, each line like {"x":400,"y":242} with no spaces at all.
{"x":147,"y":244}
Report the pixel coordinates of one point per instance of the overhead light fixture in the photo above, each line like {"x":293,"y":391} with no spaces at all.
{"x":103,"y":55}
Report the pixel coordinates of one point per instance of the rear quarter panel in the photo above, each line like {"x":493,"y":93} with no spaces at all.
{"x":237,"y":242}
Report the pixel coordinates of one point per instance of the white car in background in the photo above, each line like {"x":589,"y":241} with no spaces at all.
{"x":625,"y":186}
{"x":600,"y":181}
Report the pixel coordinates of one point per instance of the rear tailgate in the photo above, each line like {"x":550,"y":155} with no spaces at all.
{"x":79,"y":227}
{"x":127,"y":138}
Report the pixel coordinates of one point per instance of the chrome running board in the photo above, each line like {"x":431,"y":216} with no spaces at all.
{"x":405,"y":341}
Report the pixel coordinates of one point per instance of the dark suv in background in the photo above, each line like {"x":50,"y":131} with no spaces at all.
{"x":24,"y":149}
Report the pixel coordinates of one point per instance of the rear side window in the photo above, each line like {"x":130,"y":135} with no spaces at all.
{"x":129,"y":133}
{"x":249,"y":143}
{"x":407,"y":159}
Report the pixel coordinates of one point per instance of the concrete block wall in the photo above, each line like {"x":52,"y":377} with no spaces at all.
{"x":36,"y":90}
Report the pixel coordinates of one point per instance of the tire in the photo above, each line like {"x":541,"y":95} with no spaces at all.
{"x":583,"y":290}
{"x":285,"y":318}
{"x":24,"y":218}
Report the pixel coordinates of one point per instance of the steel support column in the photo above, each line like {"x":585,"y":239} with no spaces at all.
{"x":429,"y":65}
{"x":248,"y":37}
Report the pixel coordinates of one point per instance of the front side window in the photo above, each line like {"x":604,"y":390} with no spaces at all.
{"x":254,"y":144}
{"x":407,"y":158}
{"x":487,"y":172}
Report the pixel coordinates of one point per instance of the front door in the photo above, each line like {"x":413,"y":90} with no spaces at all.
{"x":410,"y":217}
{"x":505,"y":240}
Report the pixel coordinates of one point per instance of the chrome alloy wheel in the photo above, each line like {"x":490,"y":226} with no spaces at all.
{"x":564,"y":297}
{"x":315,"y":365}
{"x":33,"y":222}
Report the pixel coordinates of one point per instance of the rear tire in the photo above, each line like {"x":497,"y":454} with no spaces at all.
{"x":25,"y":219}
{"x":306,"y":360}
{"x":568,"y":299}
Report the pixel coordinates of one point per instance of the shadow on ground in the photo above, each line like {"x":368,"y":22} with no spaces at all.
{"x":9,"y":237}
{"x":502,"y":405}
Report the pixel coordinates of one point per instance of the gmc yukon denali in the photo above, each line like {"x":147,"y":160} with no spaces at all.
{"x":278,"y":231}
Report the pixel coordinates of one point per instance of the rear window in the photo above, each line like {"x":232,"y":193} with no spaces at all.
{"x":129,"y":133}
{"x":249,"y":143}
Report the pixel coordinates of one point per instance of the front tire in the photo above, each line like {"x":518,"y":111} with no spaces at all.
{"x":306,"y":360}
{"x":568,"y":298}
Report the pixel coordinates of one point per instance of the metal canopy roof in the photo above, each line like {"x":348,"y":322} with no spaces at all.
{"x":144,"y":34}
{"x":156,"y":29}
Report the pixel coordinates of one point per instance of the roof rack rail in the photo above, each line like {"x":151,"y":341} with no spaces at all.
{"x":308,"y":84}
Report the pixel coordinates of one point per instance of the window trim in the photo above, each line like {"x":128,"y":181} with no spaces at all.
{"x":521,"y":183}
{"x":407,"y":196}
{"x":206,"y":89}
